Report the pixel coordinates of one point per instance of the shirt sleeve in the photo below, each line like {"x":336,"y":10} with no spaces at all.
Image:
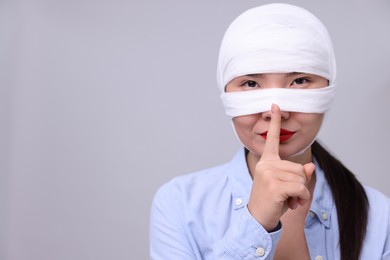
{"x":247,"y":239}
{"x":167,"y":239}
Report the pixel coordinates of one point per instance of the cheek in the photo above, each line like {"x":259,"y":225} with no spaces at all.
{"x":244,"y":124}
{"x":311,"y":123}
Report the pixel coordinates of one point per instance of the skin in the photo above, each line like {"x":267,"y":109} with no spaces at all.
{"x":282,"y":172}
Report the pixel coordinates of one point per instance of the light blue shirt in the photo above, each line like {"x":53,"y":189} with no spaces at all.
{"x":204,"y":216}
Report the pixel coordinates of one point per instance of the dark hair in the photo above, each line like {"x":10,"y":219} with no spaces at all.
{"x":349,"y":196}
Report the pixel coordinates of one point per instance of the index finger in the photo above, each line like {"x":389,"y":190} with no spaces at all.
{"x":271,"y":147}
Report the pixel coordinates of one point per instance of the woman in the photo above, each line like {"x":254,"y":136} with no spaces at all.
{"x":283,"y":196}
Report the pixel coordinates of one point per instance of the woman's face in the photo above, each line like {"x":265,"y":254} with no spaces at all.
{"x":298,"y":130}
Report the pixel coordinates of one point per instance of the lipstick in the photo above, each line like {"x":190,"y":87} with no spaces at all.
{"x":284,"y":135}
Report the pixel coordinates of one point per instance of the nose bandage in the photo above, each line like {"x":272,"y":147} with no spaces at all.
{"x":276,"y":38}
{"x":288,"y":99}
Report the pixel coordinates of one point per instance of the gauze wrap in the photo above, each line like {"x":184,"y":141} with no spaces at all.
{"x":276,"y":38}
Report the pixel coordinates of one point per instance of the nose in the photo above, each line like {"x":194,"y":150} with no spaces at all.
{"x":267,"y":115}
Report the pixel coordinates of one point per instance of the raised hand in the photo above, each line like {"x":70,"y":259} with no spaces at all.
{"x":277,"y":184}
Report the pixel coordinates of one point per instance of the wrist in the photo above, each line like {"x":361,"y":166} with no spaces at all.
{"x":269,"y":226}
{"x":277,"y":228}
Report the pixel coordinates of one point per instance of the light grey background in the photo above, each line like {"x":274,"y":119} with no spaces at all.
{"x":101,"y":102}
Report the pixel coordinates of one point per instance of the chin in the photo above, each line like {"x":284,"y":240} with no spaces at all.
{"x":291,"y":154}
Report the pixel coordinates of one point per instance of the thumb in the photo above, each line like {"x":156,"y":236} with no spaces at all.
{"x":309,"y":170}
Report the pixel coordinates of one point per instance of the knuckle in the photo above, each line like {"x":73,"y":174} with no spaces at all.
{"x":268,"y":173}
{"x":301,"y":188}
{"x":302,"y":180}
{"x":298,"y":168}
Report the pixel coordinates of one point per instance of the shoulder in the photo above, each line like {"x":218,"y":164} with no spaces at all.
{"x":193,"y":184}
{"x":378,"y":228}
{"x":209,"y":180}
{"x":377,"y":199}
{"x":379,"y":209}
{"x":203,"y":177}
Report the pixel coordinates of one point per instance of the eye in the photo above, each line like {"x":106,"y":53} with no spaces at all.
{"x":250,"y":84}
{"x":300,"y":81}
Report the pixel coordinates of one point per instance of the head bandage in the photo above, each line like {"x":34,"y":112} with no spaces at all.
{"x":276,"y":38}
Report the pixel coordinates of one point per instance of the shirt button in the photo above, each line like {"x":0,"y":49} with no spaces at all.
{"x":260,"y":251}
{"x":319,"y":257}
{"x":312,"y":214}
{"x":324,"y":216}
{"x":238,"y":201}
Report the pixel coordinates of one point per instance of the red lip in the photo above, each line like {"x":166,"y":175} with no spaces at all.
{"x":284,"y":135}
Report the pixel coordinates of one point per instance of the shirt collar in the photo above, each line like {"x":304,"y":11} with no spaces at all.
{"x":241,"y":182}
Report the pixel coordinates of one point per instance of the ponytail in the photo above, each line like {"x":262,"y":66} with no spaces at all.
{"x":350,"y":198}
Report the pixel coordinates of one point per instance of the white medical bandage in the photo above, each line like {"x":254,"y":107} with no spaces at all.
{"x":288,"y":99}
{"x":276,"y":38}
